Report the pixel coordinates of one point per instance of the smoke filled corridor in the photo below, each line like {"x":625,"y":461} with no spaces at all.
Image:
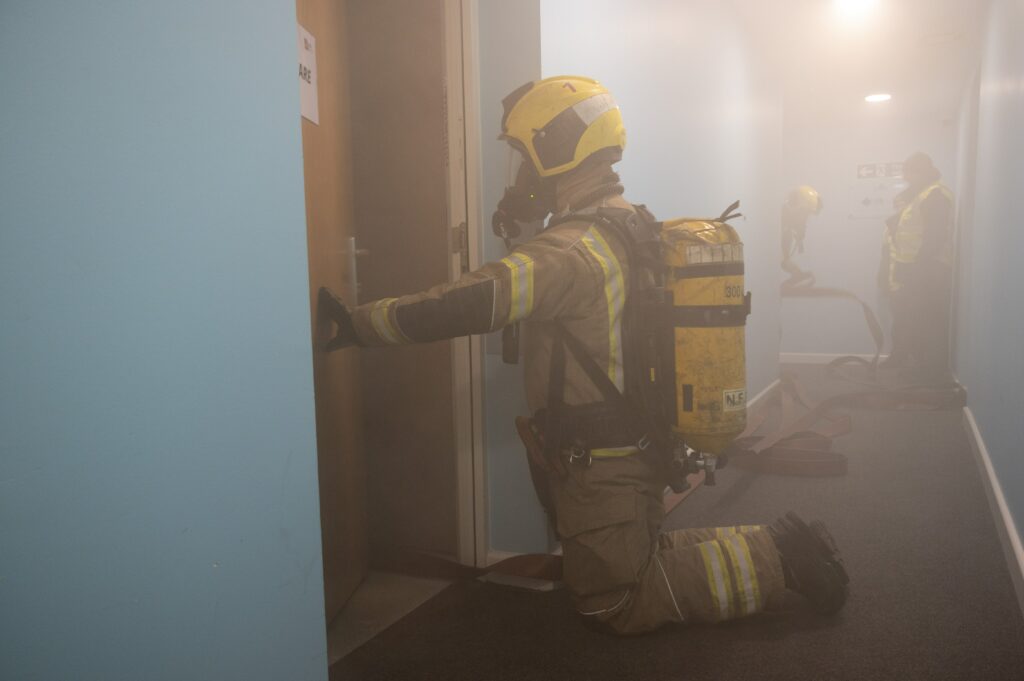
{"x":531,"y":340}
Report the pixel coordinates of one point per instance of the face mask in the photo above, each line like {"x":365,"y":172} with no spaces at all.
{"x":528,"y":198}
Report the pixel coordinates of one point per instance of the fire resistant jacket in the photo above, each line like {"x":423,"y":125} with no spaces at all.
{"x":576,"y":273}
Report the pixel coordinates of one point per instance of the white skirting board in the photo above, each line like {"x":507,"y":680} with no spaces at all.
{"x":498,"y":556}
{"x":755,"y":401}
{"x":819,"y":357}
{"x":528,"y":583}
{"x":1005,"y":525}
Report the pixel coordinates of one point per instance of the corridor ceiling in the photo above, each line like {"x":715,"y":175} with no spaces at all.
{"x":923,"y":52}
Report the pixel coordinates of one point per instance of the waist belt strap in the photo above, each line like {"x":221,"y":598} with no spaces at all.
{"x":591,"y":426}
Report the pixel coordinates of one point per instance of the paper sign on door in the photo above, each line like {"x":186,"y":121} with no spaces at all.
{"x":307,"y":76}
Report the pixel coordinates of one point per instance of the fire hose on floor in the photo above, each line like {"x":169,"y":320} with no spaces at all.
{"x":802,"y":443}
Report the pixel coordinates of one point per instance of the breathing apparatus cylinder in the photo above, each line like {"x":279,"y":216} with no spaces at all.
{"x":704,"y":279}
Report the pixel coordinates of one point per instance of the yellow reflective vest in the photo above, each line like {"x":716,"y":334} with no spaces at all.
{"x":905,"y":241}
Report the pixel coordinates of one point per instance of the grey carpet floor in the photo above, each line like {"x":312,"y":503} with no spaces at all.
{"x":931,"y":596}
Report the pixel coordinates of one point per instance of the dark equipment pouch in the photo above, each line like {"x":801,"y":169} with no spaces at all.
{"x":590,"y":426}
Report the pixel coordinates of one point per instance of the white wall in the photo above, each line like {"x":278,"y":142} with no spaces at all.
{"x":703,"y":123}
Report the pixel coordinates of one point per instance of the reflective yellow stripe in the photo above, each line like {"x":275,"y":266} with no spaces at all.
{"x":746,"y":588}
{"x":615,"y":295}
{"x":380,"y":317}
{"x":520,"y":269}
{"x":905,"y":243}
{"x":723,"y":532}
{"x":755,"y":586}
{"x":717,"y":579}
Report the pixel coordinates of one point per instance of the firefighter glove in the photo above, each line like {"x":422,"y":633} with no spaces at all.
{"x":335,"y":329}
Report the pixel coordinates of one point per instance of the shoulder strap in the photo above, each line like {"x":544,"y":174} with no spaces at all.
{"x":609,"y":391}
{"x":637,"y":229}
{"x":637,"y":224}
{"x":643,"y":424}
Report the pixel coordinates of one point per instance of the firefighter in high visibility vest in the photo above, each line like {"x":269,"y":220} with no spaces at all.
{"x":918,"y":270}
{"x":623,"y":574}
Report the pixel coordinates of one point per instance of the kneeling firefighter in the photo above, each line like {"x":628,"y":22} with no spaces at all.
{"x":613,"y":385}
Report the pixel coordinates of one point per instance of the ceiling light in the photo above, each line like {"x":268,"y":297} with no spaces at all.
{"x":854,"y":10}
{"x":878,"y":97}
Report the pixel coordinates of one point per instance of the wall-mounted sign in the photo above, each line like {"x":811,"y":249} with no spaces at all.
{"x":307,"y":76}
{"x":872,"y":199}
{"x":869,"y":171}
{"x":876,"y":186}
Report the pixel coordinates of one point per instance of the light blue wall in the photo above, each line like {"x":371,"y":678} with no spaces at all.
{"x":702,"y":132}
{"x":509,"y":39}
{"x":991,"y":311}
{"x":158,"y":496}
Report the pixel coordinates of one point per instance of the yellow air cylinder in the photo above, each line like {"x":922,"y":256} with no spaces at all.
{"x":705,"y":278}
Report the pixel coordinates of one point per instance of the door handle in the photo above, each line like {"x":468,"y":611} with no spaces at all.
{"x":353,"y":253}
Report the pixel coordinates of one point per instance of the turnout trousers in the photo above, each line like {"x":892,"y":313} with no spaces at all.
{"x":624,"y":573}
{"x":920,"y":315}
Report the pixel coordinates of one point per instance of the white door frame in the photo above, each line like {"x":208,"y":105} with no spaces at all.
{"x":463,"y":163}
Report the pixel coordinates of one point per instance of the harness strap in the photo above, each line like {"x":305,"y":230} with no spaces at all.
{"x":638,"y":234}
{"x":556,"y":394}
{"x":554,"y":416}
{"x":609,"y":391}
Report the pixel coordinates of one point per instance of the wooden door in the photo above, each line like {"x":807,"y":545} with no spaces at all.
{"x":327,"y":160}
{"x":400,"y":153}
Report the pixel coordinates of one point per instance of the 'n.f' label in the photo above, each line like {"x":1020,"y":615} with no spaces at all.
{"x":735,"y":400}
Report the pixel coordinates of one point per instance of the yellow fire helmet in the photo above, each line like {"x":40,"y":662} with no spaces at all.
{"x":805,"y":199}
{"x":560,"y":122}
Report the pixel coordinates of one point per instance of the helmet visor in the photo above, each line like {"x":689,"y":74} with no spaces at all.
{"x":527,"y":198}
{"x":514,"y":166}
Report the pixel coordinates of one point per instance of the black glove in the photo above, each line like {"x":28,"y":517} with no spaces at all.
{"x":330,"y":312}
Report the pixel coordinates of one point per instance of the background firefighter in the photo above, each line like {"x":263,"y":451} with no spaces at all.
{"x":917,"y":270}
{"x":565,"y":134}
{"x":800,"y":204}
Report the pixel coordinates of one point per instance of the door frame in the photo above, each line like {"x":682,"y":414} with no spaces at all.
{"x":462,"y":98}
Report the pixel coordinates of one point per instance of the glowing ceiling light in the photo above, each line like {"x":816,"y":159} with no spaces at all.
{"x":854,"y":10}
{"x":879,"y":97}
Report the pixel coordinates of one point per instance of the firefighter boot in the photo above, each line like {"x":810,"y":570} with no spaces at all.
{"x":811,"y":563}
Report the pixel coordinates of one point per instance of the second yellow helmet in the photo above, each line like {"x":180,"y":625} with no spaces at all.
{"x":805,"y":200}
